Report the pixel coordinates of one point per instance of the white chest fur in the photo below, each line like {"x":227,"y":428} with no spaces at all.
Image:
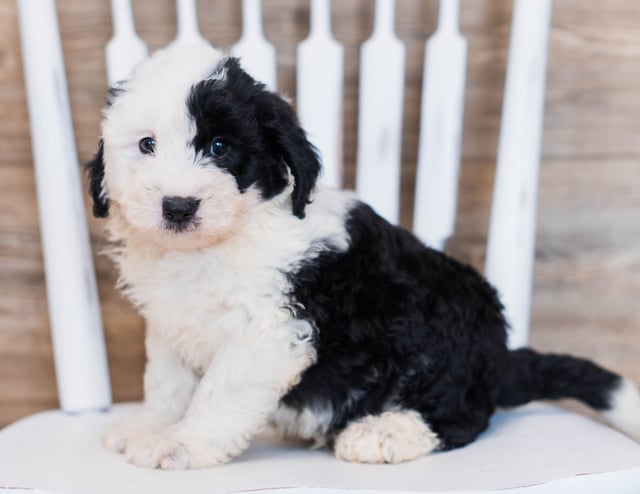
{"x":195,"y":300}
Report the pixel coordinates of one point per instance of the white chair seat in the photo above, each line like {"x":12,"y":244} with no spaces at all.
{"x":535,"y":449}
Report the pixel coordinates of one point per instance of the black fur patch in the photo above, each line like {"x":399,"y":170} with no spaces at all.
{"x":401,"y":325}
{"x":532,"y":376}
{"x":95,"y":167}
{"x":95,"y":170}
{"x":263,"y":133}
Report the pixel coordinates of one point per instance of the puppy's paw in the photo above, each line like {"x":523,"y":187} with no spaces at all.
{"x":177,"y":449}
{"x":158,"y":451}
{"x":120,"y":433}
{"x":392,"y":437}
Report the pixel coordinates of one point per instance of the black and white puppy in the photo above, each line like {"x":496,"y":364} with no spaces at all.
{"x":269,"y":298}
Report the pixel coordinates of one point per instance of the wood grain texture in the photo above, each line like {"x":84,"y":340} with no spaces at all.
{"x":587,"y":277}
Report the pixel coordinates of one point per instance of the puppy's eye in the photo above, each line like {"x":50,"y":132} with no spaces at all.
{"x":147,"y":145}
{"x":219,"y":147}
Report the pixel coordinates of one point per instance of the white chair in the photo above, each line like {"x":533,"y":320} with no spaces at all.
{"x":533,"y":449}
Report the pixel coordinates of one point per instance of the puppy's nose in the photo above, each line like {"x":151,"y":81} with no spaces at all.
{"x":179,"y":209}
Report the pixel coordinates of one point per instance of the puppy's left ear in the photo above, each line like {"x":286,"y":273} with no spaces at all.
{"x":287,"y":139}
{"x":95,"y":170}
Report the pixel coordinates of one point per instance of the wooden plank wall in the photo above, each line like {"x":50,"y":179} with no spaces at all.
{"x":587,"y":279}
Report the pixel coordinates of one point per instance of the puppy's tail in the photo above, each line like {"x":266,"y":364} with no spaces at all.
{"x":534,"y":376}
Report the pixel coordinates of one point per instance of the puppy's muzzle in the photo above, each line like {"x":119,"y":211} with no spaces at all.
{"x":178,"y":212}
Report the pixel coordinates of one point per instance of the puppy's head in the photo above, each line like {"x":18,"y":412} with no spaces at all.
{"x":191,"y":145}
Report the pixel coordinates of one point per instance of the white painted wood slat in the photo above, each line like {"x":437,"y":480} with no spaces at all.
{"x":74,"y":310}
{"x":256,"y":54}
{"x":125,"y":50}
{"x":442,"y":113}
{"x":320,"y":76}
{"x":382,"y":64}
{"x":187,"y":32}
{"x":510,"y":249}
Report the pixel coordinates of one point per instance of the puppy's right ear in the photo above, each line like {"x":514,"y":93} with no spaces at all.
{"x":97,"y":191}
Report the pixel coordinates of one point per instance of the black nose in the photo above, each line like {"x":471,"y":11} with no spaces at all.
{"x":179,"y":209}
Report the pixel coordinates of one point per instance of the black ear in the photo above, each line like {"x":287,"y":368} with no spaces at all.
{"x":287,"y":139}
{"x":95,"y":170}
{"x":268,"y":128}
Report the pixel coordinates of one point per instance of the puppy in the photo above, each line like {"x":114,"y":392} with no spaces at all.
{"x":269,"y":298}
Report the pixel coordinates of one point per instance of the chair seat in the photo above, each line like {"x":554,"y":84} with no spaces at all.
{"x":537,"y":449}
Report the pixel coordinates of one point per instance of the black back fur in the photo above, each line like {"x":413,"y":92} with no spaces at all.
{"x":401,"y":325}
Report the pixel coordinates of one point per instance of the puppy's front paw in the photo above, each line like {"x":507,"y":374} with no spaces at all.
{"x":137,"y":427}
{"x":177,"y":449}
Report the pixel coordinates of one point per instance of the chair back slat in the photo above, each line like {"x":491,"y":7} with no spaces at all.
{"x":74,"y":311}
{"x":187,"y":32}
{"x":442,"y":111}
{"x":125,"y":49}
{"x":382,"y":64}
{"x":319,"y":98}
{"x":511,"y":242}
{"x":256,"y":54}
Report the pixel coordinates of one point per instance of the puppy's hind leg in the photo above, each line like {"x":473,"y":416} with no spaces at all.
{"x":391,"y":437}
